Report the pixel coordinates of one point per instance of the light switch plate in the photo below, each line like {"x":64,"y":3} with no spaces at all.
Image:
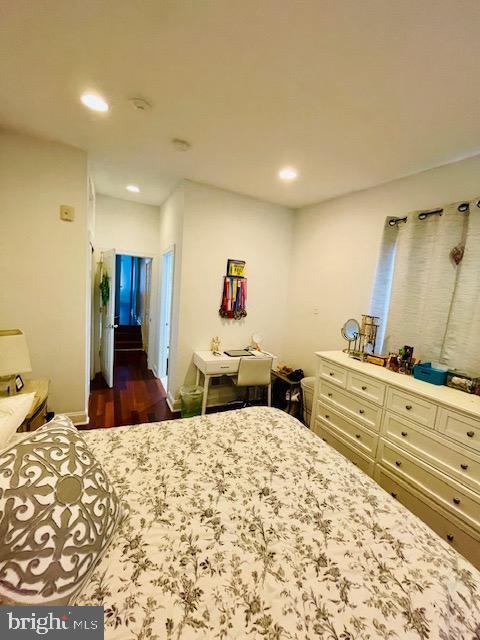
{"x":67,"y":213}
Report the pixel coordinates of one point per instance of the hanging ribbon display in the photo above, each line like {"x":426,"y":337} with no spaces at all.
{"x":234,"y":298}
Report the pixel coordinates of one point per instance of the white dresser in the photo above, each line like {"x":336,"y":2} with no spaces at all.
{"x":419,"y":441}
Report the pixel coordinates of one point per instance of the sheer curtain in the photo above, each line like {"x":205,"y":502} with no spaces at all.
{"x":461,"y":348}
{"x":435,"y":302}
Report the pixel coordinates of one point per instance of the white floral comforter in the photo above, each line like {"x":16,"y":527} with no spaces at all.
{"x":246,"y":525}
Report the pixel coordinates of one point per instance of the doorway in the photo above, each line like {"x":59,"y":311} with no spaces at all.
{"x":132,"y":303}
{"x":124,"y":313}
{"x":166,"y":296}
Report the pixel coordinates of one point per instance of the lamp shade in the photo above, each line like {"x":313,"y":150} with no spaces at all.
{"x":14,"y":356}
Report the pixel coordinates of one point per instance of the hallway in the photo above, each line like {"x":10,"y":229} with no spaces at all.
{"x":136,"y":397}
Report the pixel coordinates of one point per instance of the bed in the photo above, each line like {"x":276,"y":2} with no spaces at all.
{"x":244,"y":524}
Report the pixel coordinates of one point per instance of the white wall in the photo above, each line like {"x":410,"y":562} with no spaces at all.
{"x":126,"y":226}
{"x":131,"y":228}
{"x":171,"y":237}
{"x":336,"y":247}
{"x":43,"y":262}
{"x":219,"y":225}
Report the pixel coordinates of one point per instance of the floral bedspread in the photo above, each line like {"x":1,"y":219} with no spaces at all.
{"x":245,"y":525}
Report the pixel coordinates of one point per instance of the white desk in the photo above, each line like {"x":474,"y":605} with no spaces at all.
{"x":213,"y":366}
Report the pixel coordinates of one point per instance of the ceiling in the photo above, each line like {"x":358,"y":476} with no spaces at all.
{"x":351,"y":93}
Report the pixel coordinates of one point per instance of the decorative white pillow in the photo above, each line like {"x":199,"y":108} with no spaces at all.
{"x":13,"y":410}
{"x":58,"y":514}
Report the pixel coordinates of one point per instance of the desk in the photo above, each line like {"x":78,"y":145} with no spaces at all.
{"x":213,"y":366}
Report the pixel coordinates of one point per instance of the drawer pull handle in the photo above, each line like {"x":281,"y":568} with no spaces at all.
{"x":324,"y":439}
{"x":357,"y":435}
{"x":404,"y":434}
{"x":408,"y":407}
{"x":331,"y":373}
{"x":364,"y":388}
{"x":398,"y":463}
{"x":450,"y":537}
{"x":470,"y":434}
{"x":393,"y":494}
{"x":327,"y":417}
{"x":456,"y":501}
{"x":225,"y":367}
{"x":464,"y":466}
{"x":361,"y":411}
{"x":329,"y":395}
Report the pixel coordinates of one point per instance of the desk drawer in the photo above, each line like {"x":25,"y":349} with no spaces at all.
{"x":225,"y":367}
{"x":436,"y":519}
{"x":449,"y":493}
{"x":464,"y":429}
{"x":369,"y":415}
{"x":432,"y":448}
{"x":333,"y":373}
{"x":358,"y":437}
{"x":366,"y":387}
{"x":359,"y":460}
{"x":411,"y":407}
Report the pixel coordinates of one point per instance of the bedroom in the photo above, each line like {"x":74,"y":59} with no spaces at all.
{"x":374,"y":105}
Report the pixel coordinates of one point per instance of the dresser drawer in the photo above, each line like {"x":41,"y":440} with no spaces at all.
{"x":369,"y":415}
{"x":455,"y":498}
{"x":434,"y":449}
{"x":359,"y":460}
{"x":333,"y":373}
{"x":359,"y":437}
{"x":438,"y":520}
{"x":222,"y":368}
{"x":464,"y":429}
{"x":366,"y":387}
{"x":416,"y":409}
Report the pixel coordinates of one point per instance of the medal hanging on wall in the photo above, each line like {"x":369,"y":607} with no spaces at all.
{"x":234,"y":297}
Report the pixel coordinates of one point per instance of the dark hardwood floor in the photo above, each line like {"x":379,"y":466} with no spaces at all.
{"x":136,"y":397}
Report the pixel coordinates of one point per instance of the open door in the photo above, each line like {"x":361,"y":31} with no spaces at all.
{"x":166,"y":294}
{"x":108,"y":318}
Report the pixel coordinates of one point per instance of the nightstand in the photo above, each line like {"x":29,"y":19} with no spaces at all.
{"x":37,"y":414}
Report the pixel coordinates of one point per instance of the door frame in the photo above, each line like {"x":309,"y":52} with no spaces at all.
{"x":152,"y":347}
{"x":162,"y":347}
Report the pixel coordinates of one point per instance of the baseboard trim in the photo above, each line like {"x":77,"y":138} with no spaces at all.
{"x":78,"y":417}
{"x":173,"y":404}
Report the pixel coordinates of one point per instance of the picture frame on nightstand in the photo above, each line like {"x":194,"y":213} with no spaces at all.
{"x":19,"y":384}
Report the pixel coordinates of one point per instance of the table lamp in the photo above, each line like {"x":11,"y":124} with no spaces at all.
{"x":14,"y":357}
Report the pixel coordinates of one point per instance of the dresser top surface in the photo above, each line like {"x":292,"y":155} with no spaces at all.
{"x":453,"y":398}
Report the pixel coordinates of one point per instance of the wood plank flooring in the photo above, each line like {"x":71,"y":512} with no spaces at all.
{"x":136,"y":397}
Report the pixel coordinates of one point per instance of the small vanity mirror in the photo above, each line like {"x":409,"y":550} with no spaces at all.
{"x":350,"y":329}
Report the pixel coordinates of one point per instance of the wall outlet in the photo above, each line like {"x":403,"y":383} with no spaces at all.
{"x":67,"y":213}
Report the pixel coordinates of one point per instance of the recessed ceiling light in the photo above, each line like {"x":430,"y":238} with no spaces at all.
{"x":287,"y":174}
{"x":94,"y":102}
{"x":133,"y":188}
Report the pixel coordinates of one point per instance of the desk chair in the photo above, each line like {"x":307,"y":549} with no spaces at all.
{"x":254,"y":372}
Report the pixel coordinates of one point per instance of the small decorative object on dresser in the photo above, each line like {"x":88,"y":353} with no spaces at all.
{"x":420,"y":442}
{"x":363,"y":338}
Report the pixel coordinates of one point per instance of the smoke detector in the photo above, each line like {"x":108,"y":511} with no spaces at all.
{"x":181,"y":145}
{"x":139,"y":104}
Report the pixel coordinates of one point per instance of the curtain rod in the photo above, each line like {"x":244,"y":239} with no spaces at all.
{"x":423,"y":215}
